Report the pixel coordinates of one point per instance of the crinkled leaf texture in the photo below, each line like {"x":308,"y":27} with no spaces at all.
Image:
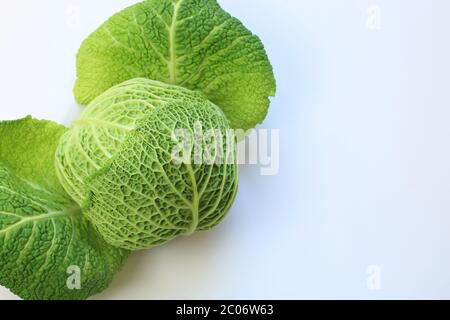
{"x":135,"y":194}
{"x":44,"y":238}
{"x":191,"y":43}
{"x":104,"y":125}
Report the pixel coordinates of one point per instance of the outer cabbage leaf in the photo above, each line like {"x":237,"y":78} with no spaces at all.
{"x":191,"y":43}
{"x":139,"y":197}
{"x":43,"y":235}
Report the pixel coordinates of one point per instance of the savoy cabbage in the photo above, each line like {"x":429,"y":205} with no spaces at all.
{"x":152,"y":156}
{"x":118,"y":162}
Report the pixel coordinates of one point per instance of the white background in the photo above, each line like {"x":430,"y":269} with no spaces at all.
{"x":364,"y":176}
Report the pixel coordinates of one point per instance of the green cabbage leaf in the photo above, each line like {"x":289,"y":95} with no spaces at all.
{"x":48,"y":249}
{"x":190,"y":43}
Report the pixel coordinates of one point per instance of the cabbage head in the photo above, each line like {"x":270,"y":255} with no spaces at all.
{"x":148,"y":162}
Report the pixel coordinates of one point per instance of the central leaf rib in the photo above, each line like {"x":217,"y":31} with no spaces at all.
{"x":195,"y":201}
{"x":47,"y":216}
{"x":172,"y":44}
